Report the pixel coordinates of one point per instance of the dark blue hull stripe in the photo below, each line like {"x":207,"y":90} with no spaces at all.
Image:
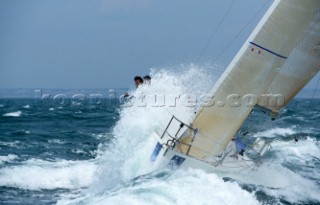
{"x":263,"y":48}
{"x":156,"y":152}
{"x":176,"y":161}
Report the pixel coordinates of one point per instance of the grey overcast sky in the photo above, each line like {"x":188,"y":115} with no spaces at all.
{"x":104,"y":43}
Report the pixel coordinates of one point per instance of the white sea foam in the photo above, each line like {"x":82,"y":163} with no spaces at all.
{"x":274,"y":132}
{"x":38,"y":174}
{"x":78,"y":151}
{"x":56,"y":141}
{"x":275,"y":179}
{"x":13,"y":114}
{"x":294,"y":186}
{"x":10,"y":144}
{"x":109,"y":176}
{"x":298,"y":152}
{"x":303,"y":154}
{"x":99,"y":136}
{"x":26,"y":106}
{"x":132,"y":144}
{"x":181,"y":188}
{"x":7,"y":158}
{"x":128,"y":155}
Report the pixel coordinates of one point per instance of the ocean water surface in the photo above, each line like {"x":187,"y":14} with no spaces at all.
{"x":97,"y":153}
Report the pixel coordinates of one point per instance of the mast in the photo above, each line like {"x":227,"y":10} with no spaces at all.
{"x":255,"y":70}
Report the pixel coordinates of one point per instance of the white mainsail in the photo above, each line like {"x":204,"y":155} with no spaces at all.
{"x":262,"y":64}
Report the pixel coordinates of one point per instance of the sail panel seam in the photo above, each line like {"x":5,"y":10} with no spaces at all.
{"x":268,"y":50}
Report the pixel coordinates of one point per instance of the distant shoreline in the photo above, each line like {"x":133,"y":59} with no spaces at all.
{"x":30,"y":93}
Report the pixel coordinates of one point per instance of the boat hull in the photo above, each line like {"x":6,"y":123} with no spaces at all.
{"x":172,"y":159}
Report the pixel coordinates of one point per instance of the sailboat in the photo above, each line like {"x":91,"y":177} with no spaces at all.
{"x":277,"y":60}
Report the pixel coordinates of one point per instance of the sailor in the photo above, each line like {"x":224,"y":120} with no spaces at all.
{"x":147,"y":79}
{"x":138,"y":81}
{"x":240,"y":146}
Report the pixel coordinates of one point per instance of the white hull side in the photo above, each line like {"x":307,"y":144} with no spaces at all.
{"x":165,"y":159}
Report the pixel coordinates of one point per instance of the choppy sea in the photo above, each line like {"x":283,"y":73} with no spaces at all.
{"x":52,"y":152}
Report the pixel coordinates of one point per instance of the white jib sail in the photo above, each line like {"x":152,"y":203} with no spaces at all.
{"x":253,"y":72}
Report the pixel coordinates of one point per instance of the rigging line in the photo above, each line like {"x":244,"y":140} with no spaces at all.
{"x":200,"y":109}
{"x":315,"y":90}
{"x":313,"y":96}
{"x":241,"y":31}
{"x":216,"y":30}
